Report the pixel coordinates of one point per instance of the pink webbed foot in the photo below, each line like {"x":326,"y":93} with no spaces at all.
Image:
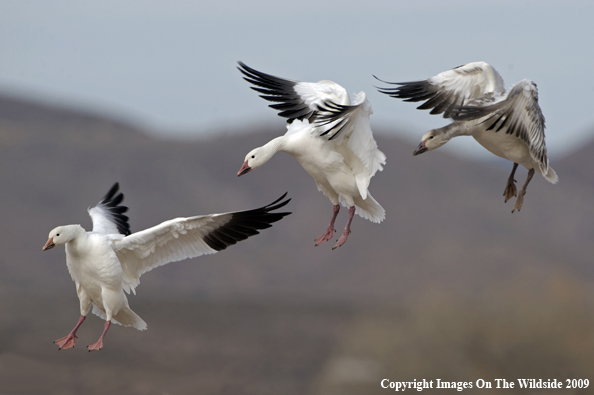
{"x":99,"y":345}
{"x":326,"y":236}
{"x":96,"y":346}
{"x":330,"y":230}
{"x":343,"y":238}
{"x":66,"y":342}
{"x":347,"y":229}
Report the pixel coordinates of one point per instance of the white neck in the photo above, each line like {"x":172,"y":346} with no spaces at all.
{"x":276,"y":144}
{"x":76,"y":231}
{"x":272,"y":147}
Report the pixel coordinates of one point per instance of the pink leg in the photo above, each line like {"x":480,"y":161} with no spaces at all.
{"x":99,"y":345}
{"x":330,"y":231}
{"x":68,"y":341}
{"x":347,"y":229}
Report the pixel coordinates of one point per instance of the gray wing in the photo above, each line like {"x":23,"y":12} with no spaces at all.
{"x":450,"y":89}
{"x":518,"y":114}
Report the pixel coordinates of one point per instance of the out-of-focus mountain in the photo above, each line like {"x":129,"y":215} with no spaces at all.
{"x":446,"y":220}
{"x":25,"y":122}
{"x":451,"y":263}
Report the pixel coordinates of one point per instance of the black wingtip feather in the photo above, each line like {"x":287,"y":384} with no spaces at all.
{"x":111,"y":203}
{"x":244,"y":224}
{"x":385,"y":82}
{"x":280,"y":90}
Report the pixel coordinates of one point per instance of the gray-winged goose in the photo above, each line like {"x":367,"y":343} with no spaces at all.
{"x":510,"y":125}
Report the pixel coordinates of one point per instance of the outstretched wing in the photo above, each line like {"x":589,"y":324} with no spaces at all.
{"x":349,"y":125}
{"x":519,"y":114}
{"x":183,"y":238}
{"x":108,"y":216}
{"x":475,"y":82}
{"x":296,"y":100}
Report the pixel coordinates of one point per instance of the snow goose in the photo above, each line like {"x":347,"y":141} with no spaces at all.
{"x":329,"y":137}
{"x":509,"y":125}
{"x":110,"y":260}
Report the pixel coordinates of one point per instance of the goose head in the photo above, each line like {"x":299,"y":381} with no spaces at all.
{"x":431,"y":140}
{"x":258,"y":156}
{"x":61,"y":235}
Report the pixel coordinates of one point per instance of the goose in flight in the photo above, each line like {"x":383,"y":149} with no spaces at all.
{"x":329,"y":136}
{"x":110,"y":259}
{"x":508,"y":124}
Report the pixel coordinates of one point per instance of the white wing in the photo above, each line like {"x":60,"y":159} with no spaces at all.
{"x":107,"y":216}
{"x":472,"y":82}
{"x":325,"y":106}
{"x":349,"y":125}
{"x":296,"y":100}
{"x":518,"y":114}
{"x":183,"y":238}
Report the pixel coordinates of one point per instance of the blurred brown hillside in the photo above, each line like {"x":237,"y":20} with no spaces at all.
{"x":451,"y":285}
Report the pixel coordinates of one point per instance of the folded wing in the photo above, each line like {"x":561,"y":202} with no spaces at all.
{"x":518,"y":114}
{"x":349,"y":125}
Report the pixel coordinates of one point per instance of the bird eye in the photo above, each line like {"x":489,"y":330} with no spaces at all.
{"x":253,"y":156}
{"x":57,"y":234}
{"x":430,"y":137}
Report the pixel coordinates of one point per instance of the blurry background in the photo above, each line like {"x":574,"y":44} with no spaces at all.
{"x":451,"y":286}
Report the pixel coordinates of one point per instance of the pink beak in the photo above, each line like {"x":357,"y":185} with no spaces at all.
{"x":244,"y":169}
{"x":420,"y":149}
{"x":49,"y":245}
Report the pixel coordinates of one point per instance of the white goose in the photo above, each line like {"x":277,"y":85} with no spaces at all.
{"x":509,"y":125}
{"x":110,"y":260}
{"x":329,"y":137}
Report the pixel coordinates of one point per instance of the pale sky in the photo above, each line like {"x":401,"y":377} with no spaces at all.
{"x":171,"y":65}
